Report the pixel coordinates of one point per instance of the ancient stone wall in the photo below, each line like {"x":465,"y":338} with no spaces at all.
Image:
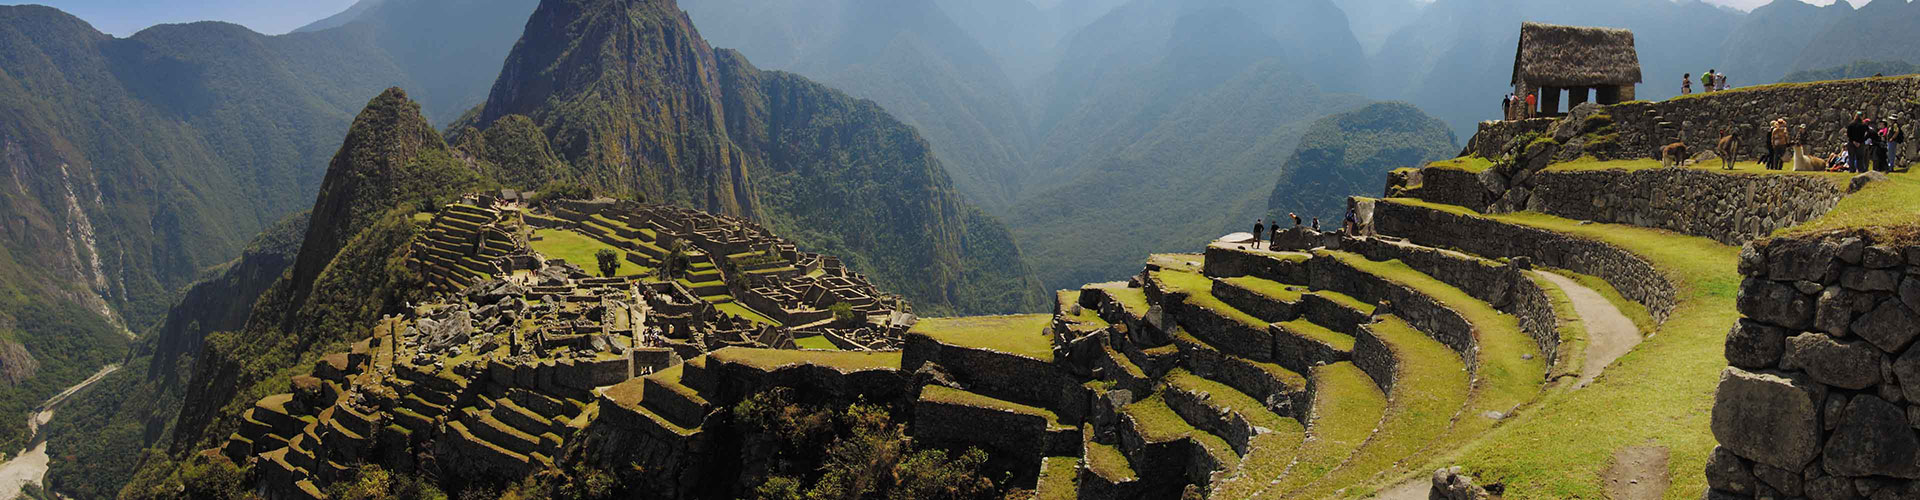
{"x":1373,"y":357}
{"x":1424,"y":313}
{"x":1011,"y":377}
{"x":1822,"y":395}
{"x":1635,"y":278}
{"x":1824,"y":107}
{"x":1450,"y":186}
{"x":1729,"y":208}
{"x":1494,"y":137}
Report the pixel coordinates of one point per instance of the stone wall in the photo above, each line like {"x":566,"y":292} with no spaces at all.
{"x":1729,"y":208}
{"x":1422,"y":312}
{"x":1635,"y":278}
{"x":1444,"y":185}
{"x":1375,"y":358}
{"x":1822,"y":395}
{"x":1493,"y":137}
{"x":1011,"y":377}
{"x":1824,"y":107}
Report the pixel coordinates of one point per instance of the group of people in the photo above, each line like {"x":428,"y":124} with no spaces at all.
{"x":1710,"y":81}
{"x":1273,"y":233}
{"x":1871,"y":146}
{"x":1519,"y":107}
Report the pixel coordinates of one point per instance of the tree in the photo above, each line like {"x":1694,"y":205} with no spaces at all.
{"x":609,"y":262}
{"x":843,"y":313}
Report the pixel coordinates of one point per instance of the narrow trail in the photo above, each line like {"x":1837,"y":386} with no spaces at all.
{"x":1610,"y":334}
{"x":30,"y":465}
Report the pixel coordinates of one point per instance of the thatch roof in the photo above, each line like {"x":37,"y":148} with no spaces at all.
{"x":1575,"y":56}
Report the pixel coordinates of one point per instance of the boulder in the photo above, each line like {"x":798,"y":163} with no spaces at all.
{"x":1861,"y":181}
{"x":1847,"y":365}
{"x":1873,"y":439}
{"x":1770,"y":418}
{"x":1775,"y":302}
{"x":1880,"y":257}
{"x":1833,"y":311}
{"x":1910,"y":293}
{"x":1907,"y":369}
{"x":1753,"y":262}
{"x":1889,"y":326}
{"x":1787,"y":482}
{"x":1871,"y":280}
{"x":1755,"y":345}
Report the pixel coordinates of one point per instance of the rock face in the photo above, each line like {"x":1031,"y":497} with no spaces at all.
{"x":1826,"y":413}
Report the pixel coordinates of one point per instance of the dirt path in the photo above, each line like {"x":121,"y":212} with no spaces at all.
{"x":30,"y":465}
{"x":1637,"y":473}
{"x":1609,"y":333}
{"x":1414,"y":489}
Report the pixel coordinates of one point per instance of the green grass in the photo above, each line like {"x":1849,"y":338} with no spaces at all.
{"x":1889,"y":210}
{"x":774,"y":359}
{"x":1155,"y":422}
{"x":944,"y":394}
{"x":1303,"y":328}
{"x":1271,"y":453}
{"x":1134,"y":300}
{"x":1199,"y":292}
{"x":1346,"y":408}
{"x":579,"y":249}
{"x":1346,"y":300}
{"x":1430,"y":387}
{"x":1059,"y":479}
{"x":815,"y":342}
{"x":1107,"y":461}
{"x":1022,"y":335}
{"x":1089,"y":317}
{"x":741,"y":311}
{"x":1659,"y":394}
{"x":1473,"y":164}
{"x":1274,"y":289}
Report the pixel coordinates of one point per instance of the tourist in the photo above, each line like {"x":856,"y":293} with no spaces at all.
{"x":1533,"y":102}
{"x":1296,"y":218}
{"x":1316,"y":223}
{"x":1506,"y":106}
{"x":1275,"y":235}
{"x":1351,"y":225}
{"x":1720,"y":81}
{"x":1895,"y":137}
{"x":1706,"y":81}
{"x":1686,"y":84}
{"x":1777,"y":145}
{"x":1856,"y":140}
{"x":1259,"y":228}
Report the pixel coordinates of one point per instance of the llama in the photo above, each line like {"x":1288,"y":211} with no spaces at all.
{"x":1728,"y":149}
{"x":1804,"y":163}
{"x":1675,"y":153}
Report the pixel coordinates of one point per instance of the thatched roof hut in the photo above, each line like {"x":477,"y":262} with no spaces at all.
{"x":1575,"y":56}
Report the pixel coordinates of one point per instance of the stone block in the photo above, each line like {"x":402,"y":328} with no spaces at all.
{"x":1873,"y":439}
{"x":1890,"y":326}
{"x":1775,"y":302}
{"x":1847,"y":365}
{"x":1728,"y":472}
{"x":1770,"y":418}
{"x":1789,"y":260}
{"x":1755,"y":345}
{"x":1833,"y":311}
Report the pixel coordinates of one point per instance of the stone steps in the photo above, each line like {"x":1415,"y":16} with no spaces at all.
{"x":485,"y":427}
{"x":1346,"y":409}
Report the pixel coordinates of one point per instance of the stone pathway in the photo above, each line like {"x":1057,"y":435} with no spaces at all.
{"x":30,"y":465}
{"x":1610,"y":334}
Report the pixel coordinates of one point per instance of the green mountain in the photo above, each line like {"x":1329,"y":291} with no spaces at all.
{"x":634,"y":100}
{"x":1763,"y":47}
{"x":1881,"y":30}
{"x":1348,"y":153}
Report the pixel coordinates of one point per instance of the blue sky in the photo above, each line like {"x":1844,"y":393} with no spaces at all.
{"x":125,"y":17}
{"x":273,"y":17}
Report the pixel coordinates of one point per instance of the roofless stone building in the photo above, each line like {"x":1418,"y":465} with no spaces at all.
{"x":1575,"y":59}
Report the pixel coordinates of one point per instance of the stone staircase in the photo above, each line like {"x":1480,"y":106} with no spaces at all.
{"x":461,"y":246}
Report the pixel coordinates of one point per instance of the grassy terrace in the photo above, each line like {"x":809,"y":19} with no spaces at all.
{"x":1134,"y":300}
{"x":816,"y":342}
{"x":774,"y":359}
{"x":1277,"y":290}
{"x":1107,"y":461}
{"x":742,"y":311}
{"x":1023,"y":335}
{"x":1303,"y":328}
{"x":1088,"y":316}
{"x":1473,"y":164}
{"x":1346,"y":300}
{"x":1059,"y":479}
{"x":1509,"y":379}
{"x":1346,"y":408}
{"x":1228,"y":398}
{"x":1272,"y":452}
{"x":1635,"y":311}
{"x":579,"y":249}
{"x":1888,"y":210}
{"x":1661,"y":393}
{"x":1199,"y":291}
{"x":944,"y":394}
{"x":1429,"y":388}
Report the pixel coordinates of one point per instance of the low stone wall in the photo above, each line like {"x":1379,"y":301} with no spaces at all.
{"x":1444,"y":185}
{"x":1825,"y":107}
{"x":1016,"y":442}
{"x":1244,"y":376}
{"x":1634,"y":277}
{"x":1375,"y":358}
{"x":1226,"y":261}
{"x":1493,"y":137}
{"x":1823,"y":389}
{"x":1250,"y":302}
{"x":1729,"y":208}
{"x":1225,"y":333}
{"x":1422,"y":312}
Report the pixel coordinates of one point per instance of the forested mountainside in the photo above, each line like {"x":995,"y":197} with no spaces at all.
{"x":1349,"y":153}
{"x":1880,"y":31}
{"x":635,"y":101}
{"x":1856,"y":69}
{"x":1765,"y":45}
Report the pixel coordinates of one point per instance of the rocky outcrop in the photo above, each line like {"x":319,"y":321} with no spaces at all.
{"x":1818,"y":395}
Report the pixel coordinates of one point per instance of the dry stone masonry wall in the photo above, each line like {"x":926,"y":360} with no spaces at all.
{"x":1727,"y":208}
{"x":1822,"y":395}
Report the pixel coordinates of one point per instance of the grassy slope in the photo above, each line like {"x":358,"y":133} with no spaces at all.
{"x":1023,"y":335}
{"x":1658,"y":394}
{"x":579,"y":250}
{"x":1347,"y":407}
{"x":1430,"y":388}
